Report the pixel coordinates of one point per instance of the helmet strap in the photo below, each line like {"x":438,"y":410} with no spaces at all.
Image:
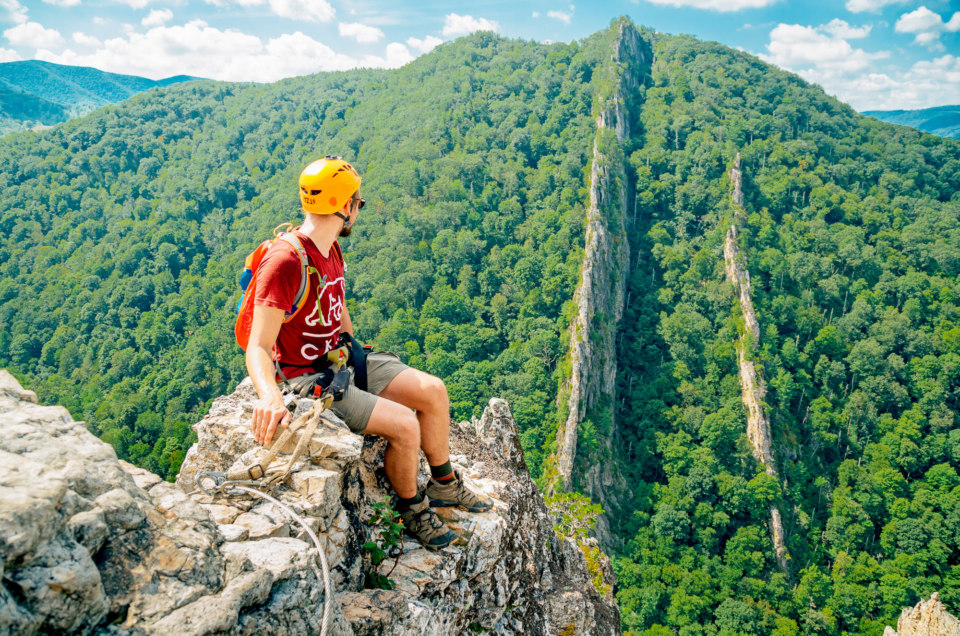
{"x":345,"y":218}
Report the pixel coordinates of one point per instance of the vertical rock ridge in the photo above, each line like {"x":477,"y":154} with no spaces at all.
{"x":602,"y":289}
{"x":753,"y":388}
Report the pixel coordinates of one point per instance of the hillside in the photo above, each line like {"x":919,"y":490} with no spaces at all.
{"x":34,"y":92}
{"x":941,"y":120}
{"x":473,"y":159}
{"x":847,"y":231}
{"x":19,"y":109}
{"x":719,"y":302}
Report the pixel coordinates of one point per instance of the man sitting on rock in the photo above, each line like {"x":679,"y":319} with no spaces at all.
{"x":330,"y":197}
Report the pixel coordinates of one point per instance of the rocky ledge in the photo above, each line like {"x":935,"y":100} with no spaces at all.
{"x":90,"y":544}
{"x":926,"y":618}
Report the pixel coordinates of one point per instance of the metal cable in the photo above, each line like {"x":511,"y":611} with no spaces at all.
{"x":327,"y":586}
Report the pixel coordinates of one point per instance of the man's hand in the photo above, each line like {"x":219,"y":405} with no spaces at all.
{"x":267,"y":415}
{"x":269,"y":410}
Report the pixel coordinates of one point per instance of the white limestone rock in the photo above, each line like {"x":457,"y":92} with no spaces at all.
{"x":926,"y":618}
{"x":170,"y":559}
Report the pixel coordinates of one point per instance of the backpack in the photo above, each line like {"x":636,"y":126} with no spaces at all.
{"x":248,"y":282}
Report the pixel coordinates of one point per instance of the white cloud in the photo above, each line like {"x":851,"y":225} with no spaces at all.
{"x":63,"y":3}
{"x":802,"y":48}
{"x":821,"y":56}
{"x":928,"y":83}
{"x":157,"y":17}
{"x":923,"y":19}
{"x":198,"y":49}
{"x":397,"y":55}
{"x":360,"y":32}
{"x":536,"y":14}
{"x":839,"y":28}
{"x":560,"y":15}
{"x":9,"y":55}
{"x":717,"y":5}
{"x":242,"y":3}
{"x":425,"y":45}
{"x":15,"y":12}
{"x":926,"y":26}
{"x":312,"y":10}
{"x":300,"y":10}
{"x":85,"y":40}
{"x":135,"y":4}
{"x":455,"y":25}
{"x":33,"y":35}
{"x":873,"y":6}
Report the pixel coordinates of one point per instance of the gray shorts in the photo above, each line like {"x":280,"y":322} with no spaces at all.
{"x":356,"y":406}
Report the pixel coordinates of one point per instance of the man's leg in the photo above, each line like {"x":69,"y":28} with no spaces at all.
{"x":399,"y":426}
{"x":428,"y":396}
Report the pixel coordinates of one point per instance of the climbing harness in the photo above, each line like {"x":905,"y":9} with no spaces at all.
{"x":330,"y":373}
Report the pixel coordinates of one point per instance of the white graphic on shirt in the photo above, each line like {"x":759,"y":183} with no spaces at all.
{"x":330,"y":299}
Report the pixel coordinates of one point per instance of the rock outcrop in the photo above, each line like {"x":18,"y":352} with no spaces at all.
{"x":926,"y":618}
{"x":601,"y":291}
{"x":753,"y":388}
{"x":89,"y":544}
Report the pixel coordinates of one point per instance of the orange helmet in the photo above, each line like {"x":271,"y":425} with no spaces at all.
{"x":327,"y":184}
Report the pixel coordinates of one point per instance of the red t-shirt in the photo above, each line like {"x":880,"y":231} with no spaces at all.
{"x":315,"y":329}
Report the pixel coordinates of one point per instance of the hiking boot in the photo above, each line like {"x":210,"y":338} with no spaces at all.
{"x":425,"y":526}
{"x":454,"y":493}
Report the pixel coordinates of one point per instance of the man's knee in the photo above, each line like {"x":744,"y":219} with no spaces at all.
{"x":435,"y":390}
{"x":407,"y":432}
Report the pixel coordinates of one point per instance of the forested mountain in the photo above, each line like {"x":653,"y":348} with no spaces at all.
{"x":852,"y":244}
{"x":940,"y":120}
{"x":35,"y":92}
{"x":124,"y":232}
{"x":122,"y":235}
{"x":20,"y":111}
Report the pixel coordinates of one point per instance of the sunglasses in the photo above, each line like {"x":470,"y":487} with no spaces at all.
{"x":363,"y":202}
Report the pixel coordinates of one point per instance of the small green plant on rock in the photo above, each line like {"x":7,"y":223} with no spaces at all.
{"x":387,"y":538}
{"x":576,"y":516}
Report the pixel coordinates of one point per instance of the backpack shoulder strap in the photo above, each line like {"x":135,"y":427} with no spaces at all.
{"x":335,"y":248}
{"x":291,"y":239}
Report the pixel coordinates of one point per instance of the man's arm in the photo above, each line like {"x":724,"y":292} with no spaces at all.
{"x":346,"y":325}
{"x":269,"y":410}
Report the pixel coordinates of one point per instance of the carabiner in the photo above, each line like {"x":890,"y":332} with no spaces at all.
{"x":222,"y":484}
{"x":218,"y":480}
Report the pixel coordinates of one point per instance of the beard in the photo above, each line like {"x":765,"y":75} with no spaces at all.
{"x":346,"y":229}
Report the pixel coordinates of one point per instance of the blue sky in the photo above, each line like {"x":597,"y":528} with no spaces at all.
{"x":873,"y":54}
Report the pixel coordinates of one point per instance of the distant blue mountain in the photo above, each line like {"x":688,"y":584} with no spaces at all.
{"x":941,"y":120}
{"x":36,"y":93}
